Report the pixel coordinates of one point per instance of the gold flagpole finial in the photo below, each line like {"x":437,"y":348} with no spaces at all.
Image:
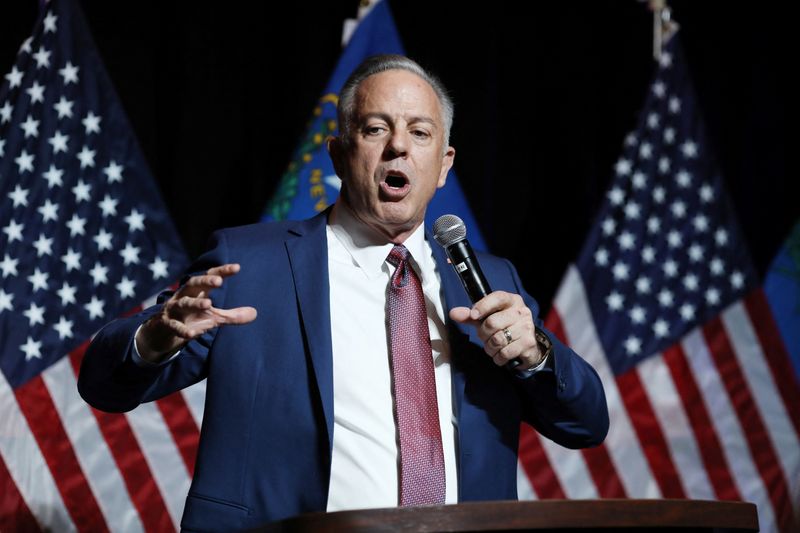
{"x":350,"y":25}
{"x":663,"y":25}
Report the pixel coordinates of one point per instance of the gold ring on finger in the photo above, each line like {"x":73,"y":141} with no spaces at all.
{"x":507,"y":334}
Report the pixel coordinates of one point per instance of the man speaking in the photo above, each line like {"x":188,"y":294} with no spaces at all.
{"x":346,"y":366}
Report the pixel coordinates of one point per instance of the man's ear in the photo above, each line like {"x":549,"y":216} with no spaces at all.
{"x":447,"y":164}
{"x":336,"y":152}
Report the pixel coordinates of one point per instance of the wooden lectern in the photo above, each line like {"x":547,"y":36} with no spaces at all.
{"x":549,"y":515}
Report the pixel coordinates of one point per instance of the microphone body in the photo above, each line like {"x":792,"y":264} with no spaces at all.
{"x":449,"y":231}
{"x":469,"y":271}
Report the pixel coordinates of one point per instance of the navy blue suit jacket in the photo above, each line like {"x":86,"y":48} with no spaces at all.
{"x":265,"y":445}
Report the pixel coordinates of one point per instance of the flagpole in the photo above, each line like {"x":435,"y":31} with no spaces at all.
{"x":349,"y":26}
{"x":663,"y":25}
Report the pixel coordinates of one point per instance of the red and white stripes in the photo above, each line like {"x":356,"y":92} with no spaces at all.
{"x":65,"y":466}
{"x":716,"y":416}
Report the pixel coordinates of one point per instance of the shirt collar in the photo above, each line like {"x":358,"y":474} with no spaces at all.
{"x":368,"y":248}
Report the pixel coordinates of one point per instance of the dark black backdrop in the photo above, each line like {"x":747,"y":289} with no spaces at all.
{"x":219,"y":93}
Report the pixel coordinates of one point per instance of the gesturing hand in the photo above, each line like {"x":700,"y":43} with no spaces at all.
{"x":188,"y":314}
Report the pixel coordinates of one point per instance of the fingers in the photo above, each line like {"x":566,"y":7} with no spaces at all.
{"x":499,"y":345}
{"x":202,"y":284}
{"x":462,"y":316}
{"x":197,"y":316}
{"x":224,"y":270}
{"x":189,"y":330}
{"x":237,"y":315}
{"x":525,"y":349}
{"x":179,"y":307}
{"x":490,"y":304}
{"x":494,"y":302}
{"x":505,"y":325}
{"x":519,"y":319}
{"x":190,"y":312}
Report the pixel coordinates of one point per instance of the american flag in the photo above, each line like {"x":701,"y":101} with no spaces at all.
{"x":84,"y":238}
{"x":665,"y":304}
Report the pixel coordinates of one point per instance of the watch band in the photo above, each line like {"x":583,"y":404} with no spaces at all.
{"x":544,"y":342}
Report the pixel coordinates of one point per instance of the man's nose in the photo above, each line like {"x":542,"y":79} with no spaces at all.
{"x":397,"y":145}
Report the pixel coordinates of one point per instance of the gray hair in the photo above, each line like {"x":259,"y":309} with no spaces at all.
{"x":381,"y":63}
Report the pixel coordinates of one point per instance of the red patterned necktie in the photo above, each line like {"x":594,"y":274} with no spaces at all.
{"x":422,"y":478}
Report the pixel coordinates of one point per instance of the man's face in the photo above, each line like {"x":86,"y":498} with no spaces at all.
{"x":395,"y":160}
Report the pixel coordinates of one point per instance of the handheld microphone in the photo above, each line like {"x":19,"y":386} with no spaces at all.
{"x":451,"y":233}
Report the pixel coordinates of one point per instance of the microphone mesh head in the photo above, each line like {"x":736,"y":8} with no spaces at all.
{"x":449,"y":229}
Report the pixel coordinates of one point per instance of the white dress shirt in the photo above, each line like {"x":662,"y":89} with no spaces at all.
{"x":365,"y":461}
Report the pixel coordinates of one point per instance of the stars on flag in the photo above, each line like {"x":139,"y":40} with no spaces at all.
{"x":661,"y":248}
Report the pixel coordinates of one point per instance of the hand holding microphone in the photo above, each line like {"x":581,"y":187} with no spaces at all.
{"x":504,"y":322}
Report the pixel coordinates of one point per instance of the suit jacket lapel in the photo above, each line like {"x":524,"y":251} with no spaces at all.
{"x":454,"y":296}
{"x":307,"y":247}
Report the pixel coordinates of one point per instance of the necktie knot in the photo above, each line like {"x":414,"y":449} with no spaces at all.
{"x":398,"y":254}
{"x":398,"y":257}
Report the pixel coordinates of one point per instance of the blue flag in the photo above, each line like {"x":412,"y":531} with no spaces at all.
{"x":782,"y":288}
{"x":310,"y":184}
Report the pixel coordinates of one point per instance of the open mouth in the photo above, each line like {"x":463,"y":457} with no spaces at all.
{"x":395,"y":185}
{"x":396,"y":180}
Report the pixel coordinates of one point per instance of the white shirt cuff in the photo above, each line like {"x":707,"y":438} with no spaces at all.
{"x":138,"y":360}
{"x":525,"y":374}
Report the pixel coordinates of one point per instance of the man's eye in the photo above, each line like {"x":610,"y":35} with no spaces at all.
{"x":420,"y":134}
{"x":373,"y":130}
